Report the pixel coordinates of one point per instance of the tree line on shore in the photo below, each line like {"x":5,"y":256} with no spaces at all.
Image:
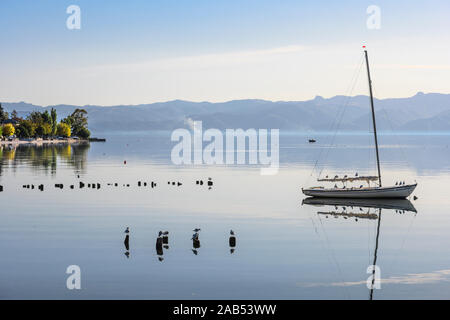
{"x":44,"y":124}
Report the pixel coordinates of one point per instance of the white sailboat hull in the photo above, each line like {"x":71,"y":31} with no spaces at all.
{"x":362,"y":193}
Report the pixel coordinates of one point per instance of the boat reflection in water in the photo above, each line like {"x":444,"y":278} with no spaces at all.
{"x":362,"y":209}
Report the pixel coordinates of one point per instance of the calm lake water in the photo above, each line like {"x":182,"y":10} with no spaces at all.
{"x":284,"y":250}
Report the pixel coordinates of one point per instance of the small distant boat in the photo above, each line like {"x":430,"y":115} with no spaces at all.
{"x":311,"y":140}
{"x":400,"y":190}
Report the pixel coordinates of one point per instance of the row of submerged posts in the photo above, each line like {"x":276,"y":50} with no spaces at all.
{"x":97,"y":185}
{"x":162,"y":242}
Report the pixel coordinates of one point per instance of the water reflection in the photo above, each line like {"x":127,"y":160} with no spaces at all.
{"x":232,"y":242}
{"x":362,"y":209}
{"x":44,"y":157}
{"x":162,"y":243}
{"x":126,"y":242}
{"x":195,"y":241}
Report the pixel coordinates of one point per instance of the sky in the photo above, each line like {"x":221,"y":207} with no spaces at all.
{"x":144,"y":51}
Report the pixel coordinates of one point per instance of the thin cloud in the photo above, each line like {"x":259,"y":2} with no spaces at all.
{"x":414,"y":66}
{"x":205,"y":60}
{"x":410,"y":278}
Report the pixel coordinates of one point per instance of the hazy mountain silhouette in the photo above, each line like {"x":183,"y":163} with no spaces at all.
{"x":421,"y":112}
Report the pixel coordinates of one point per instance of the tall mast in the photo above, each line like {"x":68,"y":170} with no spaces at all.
{"x":373,"y":117}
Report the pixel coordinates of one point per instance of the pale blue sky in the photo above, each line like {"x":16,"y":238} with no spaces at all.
{"x":130,"y":52}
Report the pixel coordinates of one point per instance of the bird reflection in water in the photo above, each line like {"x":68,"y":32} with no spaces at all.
{"x":232,"y":241}
{"x":162,"y":242}
{"x":126,"y":242}
{"x":195,"y":241}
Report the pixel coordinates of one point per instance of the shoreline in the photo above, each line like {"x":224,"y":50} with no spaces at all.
{"x":39,"y":142}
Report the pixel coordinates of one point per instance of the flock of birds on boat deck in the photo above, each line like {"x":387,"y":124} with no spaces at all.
{"x":398,"y":183}
{"x":162,"y":242}
{"x":345,"y":177}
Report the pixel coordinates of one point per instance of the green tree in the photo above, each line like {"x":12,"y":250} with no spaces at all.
{"x":78,"y":122}
{"x":54,"y":119}
{"x":46,"y":117}
{"x":63,"y":129}
{"x":84,"y":133}
{"x":1,"y":131}
{"x":39,"y":131}
{"x":35,"y":116}
{"x":43,"y":130}
{"x":8,"y":130}
{"x":25,"y":129}
{"x":14,"y":115}
{"x":47,"y":129}
{"x":3,"y":114}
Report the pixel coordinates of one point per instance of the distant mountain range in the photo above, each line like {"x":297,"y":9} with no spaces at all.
{"x":421,"y":112}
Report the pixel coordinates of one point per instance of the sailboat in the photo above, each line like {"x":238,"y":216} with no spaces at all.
{"x":400,"y":190}
{"x":368,"y":209}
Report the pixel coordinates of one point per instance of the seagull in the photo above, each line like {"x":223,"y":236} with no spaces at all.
{"x":127,"y":230}
{"x":232,"y":232}
{"x":196,"y":230}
